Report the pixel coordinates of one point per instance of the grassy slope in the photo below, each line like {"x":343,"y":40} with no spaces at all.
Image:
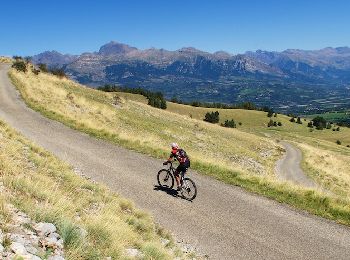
{"x":4,"y":59}
{"x":231,"y":155}
{"x":48,"y":190}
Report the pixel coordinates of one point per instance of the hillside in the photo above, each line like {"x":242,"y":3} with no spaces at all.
{"x":93,"y":222}
{"x":290,"y":81}
{"x":244,"y":156}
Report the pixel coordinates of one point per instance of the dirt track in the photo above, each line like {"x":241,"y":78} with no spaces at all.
{"x":288,"y":168}
{"x":224,"y":221}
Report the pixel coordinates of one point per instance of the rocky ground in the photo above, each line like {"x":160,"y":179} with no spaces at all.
{"x":23,"y":238}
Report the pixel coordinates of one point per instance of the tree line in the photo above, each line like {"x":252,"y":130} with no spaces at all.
{"x":155,"y":99}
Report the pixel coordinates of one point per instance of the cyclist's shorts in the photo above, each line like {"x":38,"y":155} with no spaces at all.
{"x":183,"y":167}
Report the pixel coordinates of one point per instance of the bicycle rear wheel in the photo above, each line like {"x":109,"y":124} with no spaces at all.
{"x":165,"y":179}
{"x":188,"y":189}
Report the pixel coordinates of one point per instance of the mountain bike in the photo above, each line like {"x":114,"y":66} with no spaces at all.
{"x":166,"y":178}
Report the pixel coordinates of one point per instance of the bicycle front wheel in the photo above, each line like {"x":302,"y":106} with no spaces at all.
{"x":165,"y":179}
{"x":189,"y":189}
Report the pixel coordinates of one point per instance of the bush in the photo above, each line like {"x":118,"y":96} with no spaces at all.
{"x":292,"y":120}
{"x":229,"y":123}
{"x":270,"y":113}
{"x":279,"y":124}
{"x":319,"y":122}
{"x":156,"y":100}
{"x":20,"y":65}
{"x":329,"y":126}
{"x":17,"y":57}
{"x":212,"y":117}
{"x":348,"y":146}
{"x":240,"y":123}
{"x":270,"y":123}
{"x":299,"y":120}
{"x":43,"y":67}
{"x":338,"y":128}
{"x":35,"y":71}
{"x":58,"y":72}
{"x":338,"y":142}
{"x":310,"y":124}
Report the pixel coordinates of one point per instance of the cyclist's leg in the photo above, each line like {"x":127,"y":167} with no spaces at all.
{"x":177,"y":175}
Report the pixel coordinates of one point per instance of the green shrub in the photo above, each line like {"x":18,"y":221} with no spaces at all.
{"x":292,"y":120}
{"x":19,"y":65}
{"x":338,"y":142}
{"x":319,"y":122}
{"x":58,"y":72}
{"x":212,"y":117}
{"x":43,"y":67}
{"x":279,"y":124}
{"x":229,"y":123}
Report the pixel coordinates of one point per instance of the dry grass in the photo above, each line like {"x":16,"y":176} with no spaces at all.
{"x":243,"y":156}
{"x":143,"y":126}
{"x":48,"y":190}
{"x":329,"y":168}
{"x":4,"y":59}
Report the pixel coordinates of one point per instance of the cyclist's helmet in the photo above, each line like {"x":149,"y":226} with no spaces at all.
{"x":174,"y":146}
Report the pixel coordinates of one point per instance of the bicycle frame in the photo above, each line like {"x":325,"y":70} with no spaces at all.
{"x":172,"y":171}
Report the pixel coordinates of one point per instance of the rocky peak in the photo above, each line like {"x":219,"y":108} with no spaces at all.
{"x":115,"y":48}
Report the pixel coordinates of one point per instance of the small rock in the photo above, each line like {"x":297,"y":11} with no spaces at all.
{"x":34,"y":257}
{"x":132,"y":252}
{"x":52,"y":242}
{"x":55,"y":257}
{"x":31,"y":249}
{"x":45,"y":228}
{"x":54,"y":235}
{"x":164,"y":241}
{"x":18,"y":248}
{"x":17,"y":238}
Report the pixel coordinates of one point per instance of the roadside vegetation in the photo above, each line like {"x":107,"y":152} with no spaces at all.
{"x":93,"y":222}
{"x":243,"y":156}
{"x":4,"y":59}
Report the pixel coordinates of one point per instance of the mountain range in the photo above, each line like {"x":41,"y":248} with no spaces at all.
{"x":300,"y":81}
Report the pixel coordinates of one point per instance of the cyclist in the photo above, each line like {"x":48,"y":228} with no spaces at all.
{"x":180,"y":155}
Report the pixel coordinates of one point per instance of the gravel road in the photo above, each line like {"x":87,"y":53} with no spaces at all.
{"x":224,"y":221}
{"x":288,"y":167}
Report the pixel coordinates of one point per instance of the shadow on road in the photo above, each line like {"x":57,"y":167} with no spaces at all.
{"x":170,"y":192}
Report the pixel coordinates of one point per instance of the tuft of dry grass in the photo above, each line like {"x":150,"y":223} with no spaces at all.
{"x":4,"y":59}
{"x":94,"y":222}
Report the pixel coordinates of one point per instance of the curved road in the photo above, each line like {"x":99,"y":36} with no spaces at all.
{"x":288,"y":167}
{"x":224,"y":221}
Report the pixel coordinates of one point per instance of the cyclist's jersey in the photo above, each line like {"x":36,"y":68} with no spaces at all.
{"x":180,"y":155}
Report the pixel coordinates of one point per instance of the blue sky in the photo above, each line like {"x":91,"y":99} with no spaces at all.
{"x":30,"y":27}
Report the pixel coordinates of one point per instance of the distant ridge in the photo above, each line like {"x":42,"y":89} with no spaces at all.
{"x":289,"y":80}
